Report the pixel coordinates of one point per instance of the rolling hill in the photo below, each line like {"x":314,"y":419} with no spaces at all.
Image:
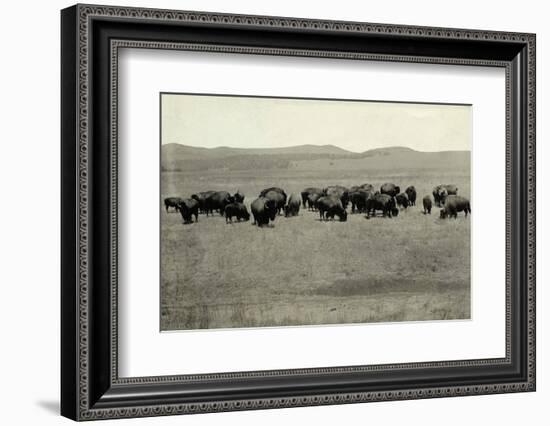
{"x":178,"y":157}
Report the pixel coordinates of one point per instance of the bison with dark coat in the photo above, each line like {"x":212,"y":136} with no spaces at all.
{"x":238,"y":197}
{"x":390,"y":189}
{"x":331,"y":206}
{"x":359,"y":200}
{"x":383,"y":202}
{"x":411,"y":193}
{"x":189,"y":207}
{"x":263,"y":210}
{"x":172,"y":202}
{"x":307,"y":192}
{"x":455,"y":204}
{"x":278,"y":198}
{"x":201,"y":198}
{"x":237,"y":210}
{"x":293,"y":206}
{"x":338,"y":191}
{"x":427,"y":202}
{"x":280,"y":191}
{"x":312,"y":200}
{"x":440,"y":193}
{"x":402,"y":200}
{"x":217,"y":201}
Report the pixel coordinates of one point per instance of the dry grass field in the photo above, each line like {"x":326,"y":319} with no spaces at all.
{"x":302,"y":271}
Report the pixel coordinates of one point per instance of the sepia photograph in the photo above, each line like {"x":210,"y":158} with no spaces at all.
{"x":280,"y":211}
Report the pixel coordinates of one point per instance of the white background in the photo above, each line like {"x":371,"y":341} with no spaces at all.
{"x":146,"y":352}
{"x":29,"y":168}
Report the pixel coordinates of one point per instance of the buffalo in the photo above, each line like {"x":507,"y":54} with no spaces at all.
{"x":339,"y":191}
{"x":382,"y":202}
{"x":359,"y":200}
{"x":282,"y":203}
{"x":453,"y":205}
{"x":427,"y":202}
{"x":329,"y":207}
{"x":238,"y":197}
{"x":201,"y":198}
{"x":237,"y":210}
{"x":411,"y":193}
{"x":307,"y":192}
{"x":390,"y":189}
{"x":312,"y":200}
{"x":440,"y":193}
{"x":278,"y":198}
{"x":402,"y":200}
{"x":263,"y":209}
{"x":189,"y":207}
{"x":293,"y":206}
{"x":172,"y":202}
{"x":217,"y":201}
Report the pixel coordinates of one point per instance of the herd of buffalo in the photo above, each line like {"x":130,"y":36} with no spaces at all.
{"x":329,"y":202}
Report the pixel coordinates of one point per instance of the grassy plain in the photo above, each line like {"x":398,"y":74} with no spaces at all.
{"x":302,"y":271}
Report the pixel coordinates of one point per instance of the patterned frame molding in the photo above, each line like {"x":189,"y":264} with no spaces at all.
{"x":79,"y":400}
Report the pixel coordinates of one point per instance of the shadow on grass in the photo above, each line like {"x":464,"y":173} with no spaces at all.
{"x":373,"y":286}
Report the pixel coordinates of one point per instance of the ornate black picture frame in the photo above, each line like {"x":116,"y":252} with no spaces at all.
{"x":90,"y":385}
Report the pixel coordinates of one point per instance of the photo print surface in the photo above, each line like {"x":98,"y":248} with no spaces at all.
{"x":298,"y":212}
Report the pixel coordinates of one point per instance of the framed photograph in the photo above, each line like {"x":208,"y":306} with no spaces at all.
{"x":263,"y":212}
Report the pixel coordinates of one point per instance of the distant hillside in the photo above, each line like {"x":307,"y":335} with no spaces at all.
{"x":177,"y":157}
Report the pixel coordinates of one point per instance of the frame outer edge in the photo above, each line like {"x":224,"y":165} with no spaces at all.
{"x":83,"y":13}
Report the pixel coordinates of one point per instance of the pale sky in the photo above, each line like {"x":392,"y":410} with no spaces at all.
{"x":247,"y":122}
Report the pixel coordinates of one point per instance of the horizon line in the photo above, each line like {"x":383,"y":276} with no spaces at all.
{"x":315,"y":145}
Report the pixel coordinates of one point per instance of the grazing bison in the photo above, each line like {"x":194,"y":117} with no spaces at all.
{"x":359,"y":200}
{"x":307,"y":192}
{"x":453,"y":205}
{"x":263,"y":210}
{"x":402,"y":200}
{"x":440,"y":193}
{"x":427,"y":202}
{"x":201,"y":198}
{"x":411,"y":193}
{"x":382,"y":202}
{"x":329,"y":206}
{"x":189,"y":207}
{"x":339,"y":191}
{"x":237,"y":210}
{"x":293,"y":206}
{"x":312,"y":200}
{"x":217,"y":201}
{"x":238,"y":197}
{"x":390,"y":189}
{"x":172,"y":202}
